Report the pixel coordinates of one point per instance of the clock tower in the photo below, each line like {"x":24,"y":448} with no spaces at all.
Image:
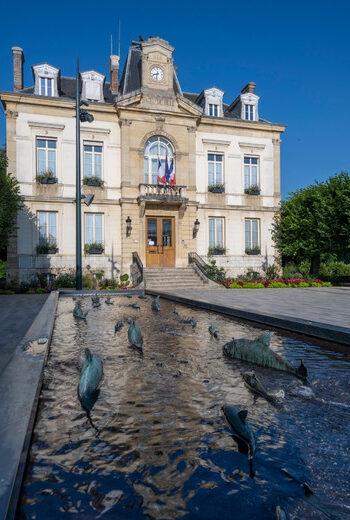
{"x":157,"y":64}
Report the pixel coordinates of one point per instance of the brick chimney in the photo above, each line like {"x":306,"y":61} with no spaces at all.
{"x":18,"y":60}
{"x":249,"y":88}
{"x":114,"y":70}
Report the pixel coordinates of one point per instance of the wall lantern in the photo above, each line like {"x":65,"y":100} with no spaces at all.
{"x":196,"y":228}
{"x":128,"y":226}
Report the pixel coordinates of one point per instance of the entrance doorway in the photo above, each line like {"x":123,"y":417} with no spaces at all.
{"x":160,"y":242}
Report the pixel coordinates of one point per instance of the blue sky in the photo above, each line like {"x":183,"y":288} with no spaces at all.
{"x":298,"y":53}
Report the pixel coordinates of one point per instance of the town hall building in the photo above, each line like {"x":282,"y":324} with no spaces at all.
{"x":173,"y":174}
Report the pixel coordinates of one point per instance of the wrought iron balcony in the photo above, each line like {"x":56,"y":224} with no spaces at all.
{"x":162,"y":193}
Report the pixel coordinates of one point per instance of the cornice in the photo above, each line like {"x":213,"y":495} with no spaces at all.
{"x":238,"y":123}
{"x":13,"y":97}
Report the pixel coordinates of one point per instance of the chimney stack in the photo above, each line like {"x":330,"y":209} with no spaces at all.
{"x":18,"y":60}
{"x":114,"y":70}
{"x":249,"y":88}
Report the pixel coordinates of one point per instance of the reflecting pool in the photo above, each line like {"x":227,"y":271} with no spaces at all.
{"x":156,"y":444}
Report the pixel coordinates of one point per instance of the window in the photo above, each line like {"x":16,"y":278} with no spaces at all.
{"x":251,"y":172}
{"x":93,"y":228}
{"x":213,"y":109}
{"x":215,"y":169}
{"x":46,"y":86}
{"x":157,"y":149}
{"x":46,"y":157}
{"x":249,"y":112}
{"x":216,"y":234}
{"x":252,"y":239}
{"x":93,"y":160}
{"x":47,"y":228}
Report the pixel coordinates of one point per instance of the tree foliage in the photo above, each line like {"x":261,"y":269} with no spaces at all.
{"x":10,"y":203}
{"x":314,"y":221}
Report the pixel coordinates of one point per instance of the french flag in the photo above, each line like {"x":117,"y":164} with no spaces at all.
{"x":172,"y":180}
{"x":161,"y":175}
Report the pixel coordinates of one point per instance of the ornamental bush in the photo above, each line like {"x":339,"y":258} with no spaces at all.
{"x":235,"y":285}
{"x":256,"y":285}
{"x":276,"y":285}
{"x":303,"y":284}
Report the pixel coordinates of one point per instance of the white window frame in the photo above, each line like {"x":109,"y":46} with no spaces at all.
{"x":213,"y":109}
{"x":46,"y":149}
{"x":249,"y":244}
{"x":45,"y":91}
{"x":93,"y":159}
{"x":216,"y":244}
{"x":250,"y":165}
{"x":162,"y":144}
{"x":249,"y":112}
{"x":44,"y":239}
{"x":215,"y":162}
{"x":93,"y":240}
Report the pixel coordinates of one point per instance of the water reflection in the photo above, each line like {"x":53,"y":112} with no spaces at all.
{"x":163,"y":449}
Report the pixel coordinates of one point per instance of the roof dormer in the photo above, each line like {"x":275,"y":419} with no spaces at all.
{"x":46,"y":80}
{"x":249,"y":103}
{"x":92,"y":86}
{"x":211,"y":101}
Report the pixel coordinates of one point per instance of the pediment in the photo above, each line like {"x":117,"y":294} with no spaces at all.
{"x":44,"y":69}
{"x":158,"y":102}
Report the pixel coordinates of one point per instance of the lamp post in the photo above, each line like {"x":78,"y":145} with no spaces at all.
{"x":81,"y":115}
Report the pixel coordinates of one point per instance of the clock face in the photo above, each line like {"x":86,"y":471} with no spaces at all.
{"x":157,"y":74}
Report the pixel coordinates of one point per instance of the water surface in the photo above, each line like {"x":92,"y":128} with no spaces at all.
{"x":157,"y":445}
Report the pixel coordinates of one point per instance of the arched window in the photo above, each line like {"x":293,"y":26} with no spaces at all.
{"x":156,"y":150}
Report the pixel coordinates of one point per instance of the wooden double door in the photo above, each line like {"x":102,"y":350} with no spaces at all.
{"x":160,"y":241}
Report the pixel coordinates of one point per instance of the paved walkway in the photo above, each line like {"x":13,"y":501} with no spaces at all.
{"x":318,"y":311}
{"x":17,"y":312}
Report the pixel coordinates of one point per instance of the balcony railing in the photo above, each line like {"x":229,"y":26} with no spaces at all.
{"x":162,"y":193}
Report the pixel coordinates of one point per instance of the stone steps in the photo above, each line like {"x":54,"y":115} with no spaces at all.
{"x":162,"y":279}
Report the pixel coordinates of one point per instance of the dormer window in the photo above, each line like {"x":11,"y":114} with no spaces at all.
{"x":211,"y":101}
{"x":45,"y":86}
{"x":92,"y":86}
{"x":213,"y":110}
{"x":46,"y":80}
{"x":249,"y":113}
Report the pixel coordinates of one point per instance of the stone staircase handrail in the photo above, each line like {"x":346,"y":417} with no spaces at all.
{"x":136,"y":270}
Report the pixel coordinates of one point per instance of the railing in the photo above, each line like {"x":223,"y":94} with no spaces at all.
{"x":163,"y":193}
{"x":193,"y":258}
{"x":136,"y":270}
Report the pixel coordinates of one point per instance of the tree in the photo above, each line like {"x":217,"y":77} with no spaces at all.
{"x":10,"y":203}
{"x":315,"y":220}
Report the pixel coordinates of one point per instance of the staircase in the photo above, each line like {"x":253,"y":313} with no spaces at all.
{"x":168,"y":278}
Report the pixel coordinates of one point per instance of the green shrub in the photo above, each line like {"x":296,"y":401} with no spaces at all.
{"x":88,"y":281}
{"x":333,"y":271}
{"x":253,"y":286}
{"x":41,"y":290}
{"x":277,"y":285}
{"x":271,"y":272}
{"x":315,"y":284}
{"x":65,"y":280}
{"x":31,"y":291}
{"x":215,"y":273}
{"x":235,"y":285}
{"x":3,"y":268}
{"x":6,"y":291}
{"x":303,"y":284}
{"x":326,"y":284}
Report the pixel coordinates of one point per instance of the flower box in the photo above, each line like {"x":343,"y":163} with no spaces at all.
{"x":51,"y":180}
{"x":47,"y":249}
{"x":252,"y":190}
{"x":93,"y":181}
{"x":255,"y":251}
{"x":217,"y":188}
{"x":216,"y":251}
{"x":93,"y":249}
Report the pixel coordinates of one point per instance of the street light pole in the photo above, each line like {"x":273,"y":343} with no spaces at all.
{"x":79,"y":281}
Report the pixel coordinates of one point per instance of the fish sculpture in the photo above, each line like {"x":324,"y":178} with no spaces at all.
{"x":156,"y":304}
{"x":118,"y":326}
{"x":143,"y":297}
{"x":109,"y":301}
{"x":176,"y":311}
{"x":253,"y":383}
{"x":90,"y":377}
{"x":186,"y":319}
{"x":258,"y":351}
{"x":134,"y":305}
{"x":213,"y":331}
{"x":135,"y":336}
{"x":95,"y":300}
{"x":281,"y":514}
{"x":193,"y":323}
{"x":237,"y":419}
{"x":78,"y":311}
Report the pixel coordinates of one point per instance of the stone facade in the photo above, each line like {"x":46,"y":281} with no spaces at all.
{"x":151,"y":105}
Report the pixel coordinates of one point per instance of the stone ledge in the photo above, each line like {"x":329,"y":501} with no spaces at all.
{"x":20,"y":387}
